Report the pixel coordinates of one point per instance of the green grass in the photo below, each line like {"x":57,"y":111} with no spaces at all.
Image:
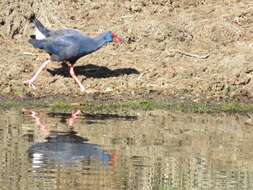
{"x":149,"y":105}
{"x":60,"y":106}
{"x":125,"y":106}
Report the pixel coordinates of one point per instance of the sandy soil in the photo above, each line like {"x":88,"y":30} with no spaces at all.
{"x":189,"y":49}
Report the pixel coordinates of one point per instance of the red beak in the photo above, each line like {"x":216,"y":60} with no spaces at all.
{"x":116,"y":38}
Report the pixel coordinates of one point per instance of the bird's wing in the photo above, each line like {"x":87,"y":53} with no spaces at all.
{"x":64,"y":32}
{"x":62,"y":47}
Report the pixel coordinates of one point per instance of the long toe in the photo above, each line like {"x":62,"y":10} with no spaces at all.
{"x":82,"y":88}
{"x":30,"y":84}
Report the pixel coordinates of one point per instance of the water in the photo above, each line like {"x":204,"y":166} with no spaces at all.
{"x":156,"y":150}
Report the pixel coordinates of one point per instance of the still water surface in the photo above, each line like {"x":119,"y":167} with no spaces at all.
{"x":155,"y":150}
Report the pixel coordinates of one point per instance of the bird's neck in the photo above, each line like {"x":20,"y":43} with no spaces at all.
{"x":103,"y":39}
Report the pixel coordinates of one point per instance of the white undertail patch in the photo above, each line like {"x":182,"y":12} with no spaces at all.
{"x":37,"y":160}
{"x":38,"y":34}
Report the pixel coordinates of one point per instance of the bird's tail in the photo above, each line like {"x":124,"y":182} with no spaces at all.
{"x":40,"y":27}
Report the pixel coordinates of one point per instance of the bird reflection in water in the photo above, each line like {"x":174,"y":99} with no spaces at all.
{"x":65,"y":148}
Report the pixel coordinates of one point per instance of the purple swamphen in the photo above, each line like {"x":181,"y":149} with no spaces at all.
{"x":66,"y":45}
{"x":66,"y":148}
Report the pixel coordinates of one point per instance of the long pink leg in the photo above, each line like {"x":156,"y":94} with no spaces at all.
{"x":74,"y":116}
{"x":31,"y":81}
{"x":73,"y":75}
{"x":38,"y":122}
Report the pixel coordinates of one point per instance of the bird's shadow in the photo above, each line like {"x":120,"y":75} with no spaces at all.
{"x":93,"y":71}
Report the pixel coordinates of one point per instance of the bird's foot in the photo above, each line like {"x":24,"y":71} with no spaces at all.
{"x":30,"y":83}
{"x":82,"y":89}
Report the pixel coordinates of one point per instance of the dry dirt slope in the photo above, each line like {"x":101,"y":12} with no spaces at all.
{"x":198,"y":49}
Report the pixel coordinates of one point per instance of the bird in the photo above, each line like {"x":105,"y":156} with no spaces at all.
{"x":66,"y":149}
{"x":66,"y":46}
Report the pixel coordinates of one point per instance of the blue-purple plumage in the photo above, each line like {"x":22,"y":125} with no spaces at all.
{"x":67,"y":149}
{"x":68,"y":44}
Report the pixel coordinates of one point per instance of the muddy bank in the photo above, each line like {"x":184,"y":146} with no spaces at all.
{"x":199,"y":51}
